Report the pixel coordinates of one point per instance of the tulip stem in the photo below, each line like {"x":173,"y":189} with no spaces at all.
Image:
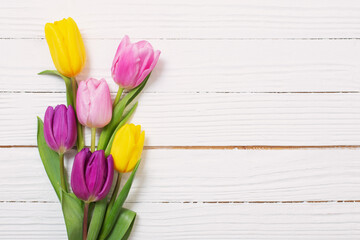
{"x":118,"y":95}
{"x":114,"y":194}
{"x":80,"y":135}
{"x":62,"y":172}
{"x":86,"y":210}
{"x":93,"y":135}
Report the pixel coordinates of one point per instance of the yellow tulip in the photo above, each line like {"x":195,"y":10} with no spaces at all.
{"x":66,"y":46}
{"x":127,"y":147}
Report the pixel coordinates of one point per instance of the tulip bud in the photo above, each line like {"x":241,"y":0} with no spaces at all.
{"x":93,"y":103}
{"x":60,"y":128}
{"x":133,"y":62}
{"x":127,"y":147}
{"x":66,"y":46}
{"x":92,"y":175}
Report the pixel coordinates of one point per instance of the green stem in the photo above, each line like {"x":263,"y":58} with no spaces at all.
{"x":62,"y":172}
{"x":74,"y":88}
{"x":114,"y":194}
{"x":69,"y":92}
{"x":118,"y":95}
{"x":80,"y":135}
{"x":93,"y":135}
{"x":86,"y":210}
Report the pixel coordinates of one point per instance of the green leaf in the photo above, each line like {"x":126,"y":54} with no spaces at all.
{"x":111,"y":219}
{"x":123,"y":121}
{"x":69,"y":89}
{"x":49,"y":158}
{"x":97,"y":219}
{"x":73,"y":210}
{"x":123,"y":226}
{"x":118,"y":114}
{"x":133,"y":94}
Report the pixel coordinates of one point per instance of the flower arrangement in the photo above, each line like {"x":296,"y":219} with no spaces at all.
{"x":90,"y":211}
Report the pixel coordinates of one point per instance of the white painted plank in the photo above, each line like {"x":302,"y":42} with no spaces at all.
{"x":190,"y":119}
{"x":187,"y":18}
{"x":199,"y":221}
{"x":207,"y":175}
{"x":201,"y":65}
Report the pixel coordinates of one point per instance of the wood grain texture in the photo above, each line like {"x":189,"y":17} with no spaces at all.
{"x":218,"y":119}
{"x":186,"y":18}
{"x":201,"y":66}
{"x":232,"y":73}
{"x":207,"y":176}
{"x":199,"y":221}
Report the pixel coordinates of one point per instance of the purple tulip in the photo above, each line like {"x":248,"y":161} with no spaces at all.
{"x":92,"y":175}
{"x":60,"y":128}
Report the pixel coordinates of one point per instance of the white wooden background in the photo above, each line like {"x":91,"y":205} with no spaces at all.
{"x":252,"y":116}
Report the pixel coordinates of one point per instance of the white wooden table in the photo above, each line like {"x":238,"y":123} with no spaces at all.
{"x":252,"y":116}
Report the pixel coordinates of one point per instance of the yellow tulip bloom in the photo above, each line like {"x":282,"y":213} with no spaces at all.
{"x":66,"y":46}
{"x":127,"y":147}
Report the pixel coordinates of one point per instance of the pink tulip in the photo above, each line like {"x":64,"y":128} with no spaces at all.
{"x":93,"y":103}
{"x":133,"y":62}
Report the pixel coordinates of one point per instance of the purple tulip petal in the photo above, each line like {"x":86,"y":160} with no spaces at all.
{"x":78,"y":183}
{"x":71,"y":131}
{"x":109,"y":178}
{"x":60,"y":125}
{"x":48,"y":129}
{"x":95,"y":172}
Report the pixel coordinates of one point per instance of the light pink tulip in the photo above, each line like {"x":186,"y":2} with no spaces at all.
{"x":133,"y":62}
{"x":93,"y":103}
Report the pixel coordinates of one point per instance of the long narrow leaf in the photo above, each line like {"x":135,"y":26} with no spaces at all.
{"x":130,"y":97}
{"x":73,"y":210}
{"x":97,"y":219}
{"x":49,"y":158}
{"x":111,"y":219}
{"x":123,"y":226}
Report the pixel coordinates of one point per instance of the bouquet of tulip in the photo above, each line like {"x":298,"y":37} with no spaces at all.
{"x":90,"y":212}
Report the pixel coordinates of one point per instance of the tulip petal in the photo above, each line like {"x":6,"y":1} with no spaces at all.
{"x":57,"y":47}
{"x":94,"y":105}
{"x":95,"y":172}
{"x":109,"y":178}
{"x":148,"y":70}
{"x":71,"y":131}
{"x":60,"y":125}
{"x":100,"y":112}
{"x":122,"y":148}
{"x":136,"y":152}
{"x":48,"y":129}
{"x":78,"y":182}
{"x":76,"y":49}
{"x":82,"y":103}
{"x":124,"y":43}
{"x":128,"y":66}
